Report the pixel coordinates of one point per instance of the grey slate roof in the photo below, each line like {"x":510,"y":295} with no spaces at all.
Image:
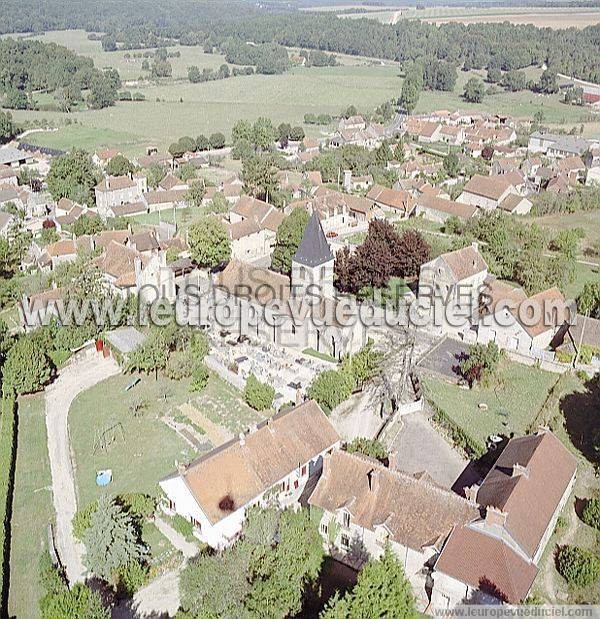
{"x":314,"y":248}
{"x":125,"y":339}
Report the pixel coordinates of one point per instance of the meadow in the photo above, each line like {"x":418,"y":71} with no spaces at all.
{"x":175,"y":107}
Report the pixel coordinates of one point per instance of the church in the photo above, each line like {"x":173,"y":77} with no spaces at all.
{"x":297,"y":312}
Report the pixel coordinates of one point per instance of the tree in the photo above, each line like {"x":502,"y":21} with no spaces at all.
{"x":474,"y":90}
{"x":16,"y":99}
{"x":73,"y":176}
{"x":481,"y":362}
{"x":260,"y":176}
{"x":412,"y":252}
{"x":195,"y":194}
{"x":194,"y":74}
{"x":218,"y":204}
{"x":209,"y":242}
{"x":217,"y":140}
{"x":330,"y":388}
{"x":109,"y":43}
{"x":111,"y":541}
{"x":27,"y":368}
{"x":588,"y":302}
{"x":297,"y":133}
{"x":200,"y":377}
{"x":7,"y":127}
{"x":591,"y":513}
{"x":381,"y":590}
{"x":409,"y":97}
{"x":154,"y":174}
{"x":257,"y":395}
{"x":548,"y":81}
{"x":119,"y":166}
{"x":188,"y":144}
{"x":176,"y":150}
{"x":161,"y":68}
{"x":364,"y":365}
{"x":103,"y":92}
{"x":452,"y":165}
{"x":152,"y":355}
{"x":263,"y":133}
{"x":288,"y":238}
{"x":579,"y":567}
{"x":202,"y":143}
{"x":494,"y":75}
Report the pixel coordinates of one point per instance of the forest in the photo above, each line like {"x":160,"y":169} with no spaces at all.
{"x":228,"y":26}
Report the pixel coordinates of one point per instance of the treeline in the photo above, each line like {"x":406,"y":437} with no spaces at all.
{"x":268,"y":58}
{"x":28,"y":66}
{"x":214,"y":25}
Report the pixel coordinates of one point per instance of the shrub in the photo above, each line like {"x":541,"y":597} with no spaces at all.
{"x":180,"y":365}
{"x":138,"y":504}
{"x":579,"y":567}
{"x":369,"y":447}
{"x":258,"y":395}
{"x":131,"y":578}
{"x":591,"y":513}
{"x":331,"y":388}
{"x":82,"y":520}
{"x":199,"y":378}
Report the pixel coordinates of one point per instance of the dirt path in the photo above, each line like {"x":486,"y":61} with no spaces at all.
{"x":79,"y":375}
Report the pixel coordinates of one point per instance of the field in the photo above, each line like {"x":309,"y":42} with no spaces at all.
{"x":513,"y":402}
{"x":144,"y":449}
{"x":32,"y":508}
{"x":175,"y":107}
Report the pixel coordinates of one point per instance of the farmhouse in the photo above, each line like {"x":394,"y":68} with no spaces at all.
{"x":367,"y":506}
{"x":486,"y":192}
{"x":521,"y":498}
{"x":272,"y":462}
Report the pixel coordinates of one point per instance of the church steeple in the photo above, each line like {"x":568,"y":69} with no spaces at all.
{"x":312,"y":264}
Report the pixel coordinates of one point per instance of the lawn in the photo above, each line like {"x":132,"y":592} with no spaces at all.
{"x":512,"y":403}
{"x":583,"y":273}
{"x":143,"y":448}
{"x":32,"y":508}
{"x":586,"y":220}
{"x":181,"y":217}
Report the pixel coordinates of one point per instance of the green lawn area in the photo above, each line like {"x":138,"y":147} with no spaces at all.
{"x":512,"y":403}
{"x":319,"y":355}
{"x":143,"y":448}
{"x":32,"y":508}
{"x":181,"y":217}
{"x":583,"y":273}
{"x":586,"y":220}
{"x":223,"y":405}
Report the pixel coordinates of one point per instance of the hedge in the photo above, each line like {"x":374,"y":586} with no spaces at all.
{"x":7,"y":464}
{"x":472,"y":447}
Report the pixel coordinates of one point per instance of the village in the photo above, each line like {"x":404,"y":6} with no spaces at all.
{"x":343,"y":420}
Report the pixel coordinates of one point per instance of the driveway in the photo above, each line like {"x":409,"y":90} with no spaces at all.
{"x":443,"y":358}
{"x":79,"y":375}
{"x":420,"y":448}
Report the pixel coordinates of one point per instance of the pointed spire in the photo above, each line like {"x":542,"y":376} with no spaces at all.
{"x":314,"y":248}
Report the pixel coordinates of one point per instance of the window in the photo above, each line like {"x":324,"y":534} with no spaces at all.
{"x":346,"y":519}
{"x":324,"y":529}
{"x":345,"y":541}
{"x":303,"y":472}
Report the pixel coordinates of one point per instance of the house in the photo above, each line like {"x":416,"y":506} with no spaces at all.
{"x":556,"y":145}
{"x":9,"y":193}
{"x":14,"y":157}
{"x":357,"y":183}
{"x":253,"y":228}
{"x":496,"y":555}
{"x":8,"y":176}
{"x":352,"y":123}
{"x":117,"y":190}
{"x":103,"y":157}
{"x":453,"y":279}
{"x":508,"y":323}
{"x":40,"y":308}
{"x":160,"y":200}
{"x":516,"y":205}
{"x":6,"y":224}
{"x":171,"y":182}
{"x":452,"y":134}
{"x":366,"y":506}
{"x":66,"y":250}
{"x":580,"y":337}
{"x":131,"y":209}
{"x":272,"y":463}
{"x":394,"y":200}
{"x":486,"y":192}
{"x":339,"y":211}
{"x":572,"y":167}
{"x":437,"y":209}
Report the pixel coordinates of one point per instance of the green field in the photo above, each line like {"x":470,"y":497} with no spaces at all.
{"x":513,"y":402}
{"x":144,"y":448}
{"x":32,"y":508}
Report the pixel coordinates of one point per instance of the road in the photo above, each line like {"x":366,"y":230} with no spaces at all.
{"x":79,"y":375}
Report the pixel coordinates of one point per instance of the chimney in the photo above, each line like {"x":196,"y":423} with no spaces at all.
{"x":475,"y":245}
{"x":373,"y":478}
{"x":495,"y":516}
{"x":347,"y":180}
{"x":519,"y":469}
{"x":242,"y":438}
{"x":108,"y":182}
{"x":471,"y":493}
{"x":392,"y":457}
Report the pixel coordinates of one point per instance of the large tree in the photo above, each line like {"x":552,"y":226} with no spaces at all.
{"x":119,"y":165}
{"x":7,"y":127}
{"x":111,"y":541}
{"x":27,"y":368}
{"x":288,"y":238}
{"x":73,"y":176}
{"x":381,"y":590}
{"x":260,"y":176}
{"x":474,"y":90}
{"x":209,"y":242}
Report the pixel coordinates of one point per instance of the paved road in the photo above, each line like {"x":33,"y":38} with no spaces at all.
{"x":420,"y":448}
{"x":79,"y":375}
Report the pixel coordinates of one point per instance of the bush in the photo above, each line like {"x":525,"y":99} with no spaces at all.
{"x":131,"y":578}
{"x":331,"y":388}
{"x":591,"y":513}
{"x":139,"y":505}
{"x":257,"y":395}
{"x":579,"y":567}
{"x":82,"y":520}
{"x":369,"y":447}
{"x":180,"y":365}
{"x":199,"y":377}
